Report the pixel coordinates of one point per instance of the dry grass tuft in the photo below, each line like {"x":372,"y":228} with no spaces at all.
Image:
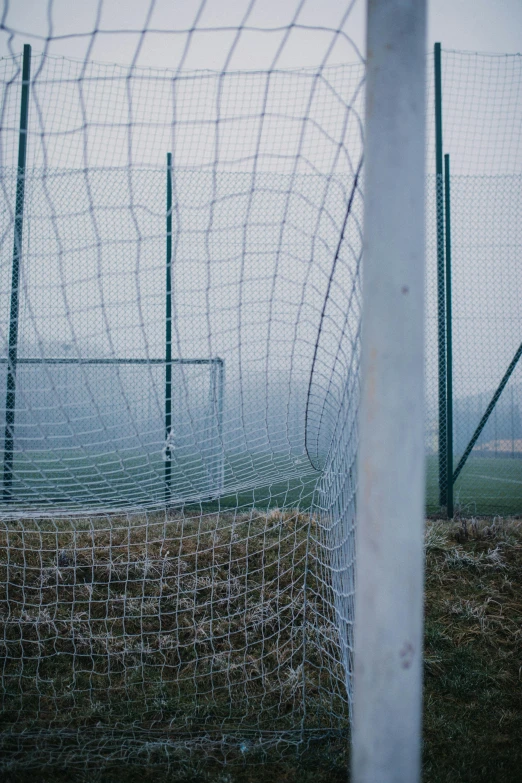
{"x":183,"y":628}
{"x":473,"y":651}
{"x":174,"y":626}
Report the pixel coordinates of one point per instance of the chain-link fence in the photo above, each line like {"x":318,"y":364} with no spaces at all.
{"x":102,"y":300}
{"x":170,"y":336}
{"x":474,"y":285}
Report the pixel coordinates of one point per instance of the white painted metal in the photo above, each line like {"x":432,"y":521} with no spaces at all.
{"x":389,"y":586}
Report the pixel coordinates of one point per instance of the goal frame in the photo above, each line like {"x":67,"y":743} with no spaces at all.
{"x":389,"y":562}
{"x":216,"y":401}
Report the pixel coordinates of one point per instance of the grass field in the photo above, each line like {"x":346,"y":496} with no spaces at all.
{"x":129,"y":593}
{"x":486,"y":485}
{"x":473,"y":652}
{"x":78,"y":479}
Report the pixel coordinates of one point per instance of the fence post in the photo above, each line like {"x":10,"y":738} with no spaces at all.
{"x":441,"y":302}
{"x":168,"y":332}
{"x":449,"y":345}
{"x":391,"y":463}
{"x":10,"y":396}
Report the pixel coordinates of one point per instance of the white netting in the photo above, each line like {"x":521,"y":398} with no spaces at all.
{"x":176,"y":549}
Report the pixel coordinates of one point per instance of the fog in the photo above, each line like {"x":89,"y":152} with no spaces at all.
{"x":266,"y":181}
{"x":260,"y":278}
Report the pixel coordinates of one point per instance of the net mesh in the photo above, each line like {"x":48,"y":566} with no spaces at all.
{"x":180,"y":437}
{"x":179,"y":328}
{"x":481,"y":119}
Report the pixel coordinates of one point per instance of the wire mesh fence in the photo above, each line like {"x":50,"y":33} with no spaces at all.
{"x":479,"y":225}
{"x":98,"y":326}
{"x":109,"y":271}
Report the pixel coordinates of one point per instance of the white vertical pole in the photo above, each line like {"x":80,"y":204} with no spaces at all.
{"x":389,"y":586}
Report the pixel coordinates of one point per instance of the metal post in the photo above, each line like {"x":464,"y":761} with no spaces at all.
{"x":449,"y":346}
{"x":391,"y":467}
{"x":168,"y":332}
{"x":495,"y":429}
{"x":217,"y":471}
{"x":10,"y":397}
{"x":213,"y":430}
{"x":221,"y":394}
{"x":441,"y":303}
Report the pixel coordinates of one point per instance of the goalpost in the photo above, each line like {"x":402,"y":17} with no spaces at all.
{"x":390,"y":525}
{"x":192,"y":441}
{"x":190,"y":591}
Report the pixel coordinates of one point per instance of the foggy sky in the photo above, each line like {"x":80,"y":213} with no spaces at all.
{"x":479,"y":25}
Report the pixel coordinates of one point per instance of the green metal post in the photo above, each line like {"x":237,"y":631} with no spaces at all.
{"x":449,"y":350}
{"x":443,"y":428}
{"x":10,"y":397}
{"x":168,"y":332}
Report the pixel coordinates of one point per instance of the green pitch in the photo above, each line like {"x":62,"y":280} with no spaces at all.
{"x":486,"y":485}
{"x":82,"y":480}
